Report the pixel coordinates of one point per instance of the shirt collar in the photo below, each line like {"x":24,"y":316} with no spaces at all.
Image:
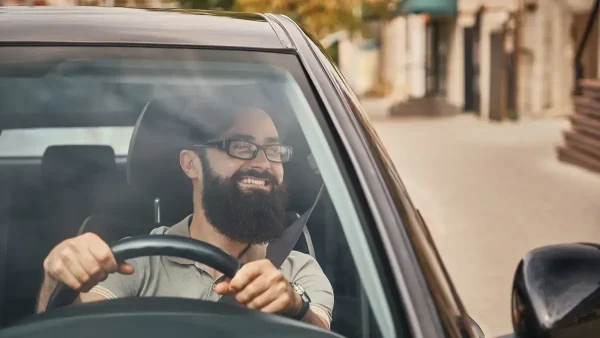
{"x":181,"y":229}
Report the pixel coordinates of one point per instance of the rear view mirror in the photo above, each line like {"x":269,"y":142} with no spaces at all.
{"x":556,"y":292}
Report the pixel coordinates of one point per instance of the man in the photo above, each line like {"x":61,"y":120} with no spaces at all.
{"x":239,"y":204}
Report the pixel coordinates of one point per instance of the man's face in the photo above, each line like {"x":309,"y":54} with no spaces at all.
{"x":244,"y":199}
{"x":257,"y":127}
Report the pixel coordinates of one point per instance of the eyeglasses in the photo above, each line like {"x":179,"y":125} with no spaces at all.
{"x":246,"y":150}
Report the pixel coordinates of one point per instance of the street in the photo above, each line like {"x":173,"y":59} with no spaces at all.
{"x":490,"y":192}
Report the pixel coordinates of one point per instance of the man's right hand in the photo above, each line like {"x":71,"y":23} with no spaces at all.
{"x":81,"y":263}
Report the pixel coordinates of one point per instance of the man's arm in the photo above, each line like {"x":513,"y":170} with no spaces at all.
{"x":48,"y":286}
{"x":259,"y":285}
{"x":315,"y":319}
{"x":80,"y":263}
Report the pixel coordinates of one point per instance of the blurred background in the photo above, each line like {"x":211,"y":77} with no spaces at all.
{"x":490,"y":110}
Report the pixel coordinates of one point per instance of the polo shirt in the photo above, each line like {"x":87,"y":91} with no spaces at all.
{"x":164,"y":276}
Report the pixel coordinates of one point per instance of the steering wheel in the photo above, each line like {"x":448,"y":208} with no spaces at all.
{"x":154,"y":245}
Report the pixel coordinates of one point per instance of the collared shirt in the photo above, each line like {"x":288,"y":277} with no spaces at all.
{"x":164,"y":276}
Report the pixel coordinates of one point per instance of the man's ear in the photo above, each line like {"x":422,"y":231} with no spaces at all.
{"x":190,"y":163}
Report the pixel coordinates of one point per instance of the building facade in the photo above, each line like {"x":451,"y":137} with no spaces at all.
{"x":499,"y":59}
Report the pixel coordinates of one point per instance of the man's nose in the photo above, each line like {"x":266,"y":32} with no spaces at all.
{"x":260,"y":161}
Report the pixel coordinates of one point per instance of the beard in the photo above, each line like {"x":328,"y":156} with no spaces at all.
{"x":252,"y":216}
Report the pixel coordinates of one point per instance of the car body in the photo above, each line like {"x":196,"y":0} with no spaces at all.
{"x":419,"y":293}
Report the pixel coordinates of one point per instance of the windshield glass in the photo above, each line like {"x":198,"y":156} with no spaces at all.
{"x":220,"y":146}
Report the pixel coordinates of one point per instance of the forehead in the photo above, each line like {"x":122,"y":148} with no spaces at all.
{"x":255,"y":124}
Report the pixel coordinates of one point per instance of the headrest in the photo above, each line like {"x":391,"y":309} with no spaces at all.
{"x":164,"y":128}
{"x":66,"y":163}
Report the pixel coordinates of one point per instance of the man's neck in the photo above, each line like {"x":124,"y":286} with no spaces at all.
{"x":202,"y":230}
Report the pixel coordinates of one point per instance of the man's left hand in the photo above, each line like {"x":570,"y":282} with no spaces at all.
{"x":260,"y":285}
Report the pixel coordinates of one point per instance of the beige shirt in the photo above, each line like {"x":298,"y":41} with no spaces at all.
{"x":164,"y":276}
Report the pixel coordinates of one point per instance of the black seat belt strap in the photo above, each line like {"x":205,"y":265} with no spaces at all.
{"x":280,"y":249}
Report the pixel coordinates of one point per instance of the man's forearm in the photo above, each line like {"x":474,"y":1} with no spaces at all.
{"x":315,"y":319}
{"x":44,"y":295}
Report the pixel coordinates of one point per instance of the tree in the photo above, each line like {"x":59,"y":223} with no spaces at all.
{"x":322,"y":17}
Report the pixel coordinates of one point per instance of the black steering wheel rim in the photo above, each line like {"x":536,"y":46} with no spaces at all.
{"x":154,"y":245}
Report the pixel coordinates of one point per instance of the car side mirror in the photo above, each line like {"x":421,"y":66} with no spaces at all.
{"x":556,"y":292}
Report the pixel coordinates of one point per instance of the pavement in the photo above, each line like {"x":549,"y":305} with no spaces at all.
{"x":490,"y":192}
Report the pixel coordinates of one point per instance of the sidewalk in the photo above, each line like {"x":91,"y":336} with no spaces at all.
{"x":490,"y":192}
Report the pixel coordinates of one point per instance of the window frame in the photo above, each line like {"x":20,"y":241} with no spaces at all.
{"x":330,"y":133}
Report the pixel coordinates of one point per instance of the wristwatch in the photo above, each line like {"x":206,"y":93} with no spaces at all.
{"x":305,"y":302}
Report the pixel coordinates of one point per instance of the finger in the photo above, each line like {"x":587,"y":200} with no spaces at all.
{"x":247,"y":274}
{"x":65,"y":276}
{"x":267,"y":297}
{"x":71,"y":263}
{"x":279,"y":305}
{"x":89,"y":264}
{"x":60,"y":270}
{"x":102,"y":253}
{"x":223,"y":288}
{"x":125,"y":269}
{"x":258,"y":286}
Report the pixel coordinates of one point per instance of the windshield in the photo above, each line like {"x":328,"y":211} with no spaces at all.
{"x":221,"y":146}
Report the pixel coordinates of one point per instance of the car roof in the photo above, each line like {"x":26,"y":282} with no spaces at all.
{"x":138,"y":26}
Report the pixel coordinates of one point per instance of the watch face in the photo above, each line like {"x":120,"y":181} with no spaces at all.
{"x":301,"y":292}
{"x":298,"y":289}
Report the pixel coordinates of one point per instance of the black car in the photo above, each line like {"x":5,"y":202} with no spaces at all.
{"x":91,"y":100}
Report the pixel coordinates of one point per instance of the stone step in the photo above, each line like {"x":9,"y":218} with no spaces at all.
{"x":586,"y":106}
{"x":573,"y":156}
{"x":583,"y":143}
{"x":590,"y":88}
{"x":586,"y":125}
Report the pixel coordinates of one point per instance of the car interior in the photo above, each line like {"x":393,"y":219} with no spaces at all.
{"x":75,"y":187}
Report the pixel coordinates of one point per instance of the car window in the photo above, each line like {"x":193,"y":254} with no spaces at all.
{"x":34,"y":141}
{"x":95,"y":138}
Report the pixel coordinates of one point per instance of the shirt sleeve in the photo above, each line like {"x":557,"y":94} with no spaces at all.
{"x":117,"y":285}
{"x":305,"y":271}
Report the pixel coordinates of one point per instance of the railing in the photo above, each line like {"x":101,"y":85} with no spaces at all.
{"x":588,"y":29}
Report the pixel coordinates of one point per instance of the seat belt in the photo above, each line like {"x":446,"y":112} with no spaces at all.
{"x":280,"y":249}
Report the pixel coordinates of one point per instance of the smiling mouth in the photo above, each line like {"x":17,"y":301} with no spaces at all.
{"x":255,"y":182}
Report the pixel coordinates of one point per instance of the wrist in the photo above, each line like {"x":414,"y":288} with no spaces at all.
{"x":301,"y":302}
{"x":296,"y":302}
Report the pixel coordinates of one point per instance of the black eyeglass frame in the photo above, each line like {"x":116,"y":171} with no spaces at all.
{"x":225,"y":144}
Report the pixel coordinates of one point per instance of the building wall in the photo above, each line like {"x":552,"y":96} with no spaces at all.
{"x":490,"y":22}
{"x":394,"y":57}
{"x":416,"y":58}
{"x":455,"y":80}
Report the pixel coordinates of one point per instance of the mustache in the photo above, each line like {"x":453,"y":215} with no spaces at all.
{"x":258,"y":174}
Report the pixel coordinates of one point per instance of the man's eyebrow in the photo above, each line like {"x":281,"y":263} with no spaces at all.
{"x":242,"y":137}
{"x":274,"y":139}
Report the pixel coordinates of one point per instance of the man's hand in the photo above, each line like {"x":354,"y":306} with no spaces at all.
{"x":82,"y":262}
{"x":260,"y":285}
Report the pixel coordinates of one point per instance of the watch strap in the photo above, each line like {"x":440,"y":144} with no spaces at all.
{"x":303,"y":309}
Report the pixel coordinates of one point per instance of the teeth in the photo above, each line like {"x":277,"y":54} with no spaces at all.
{"x":253,"y":181}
